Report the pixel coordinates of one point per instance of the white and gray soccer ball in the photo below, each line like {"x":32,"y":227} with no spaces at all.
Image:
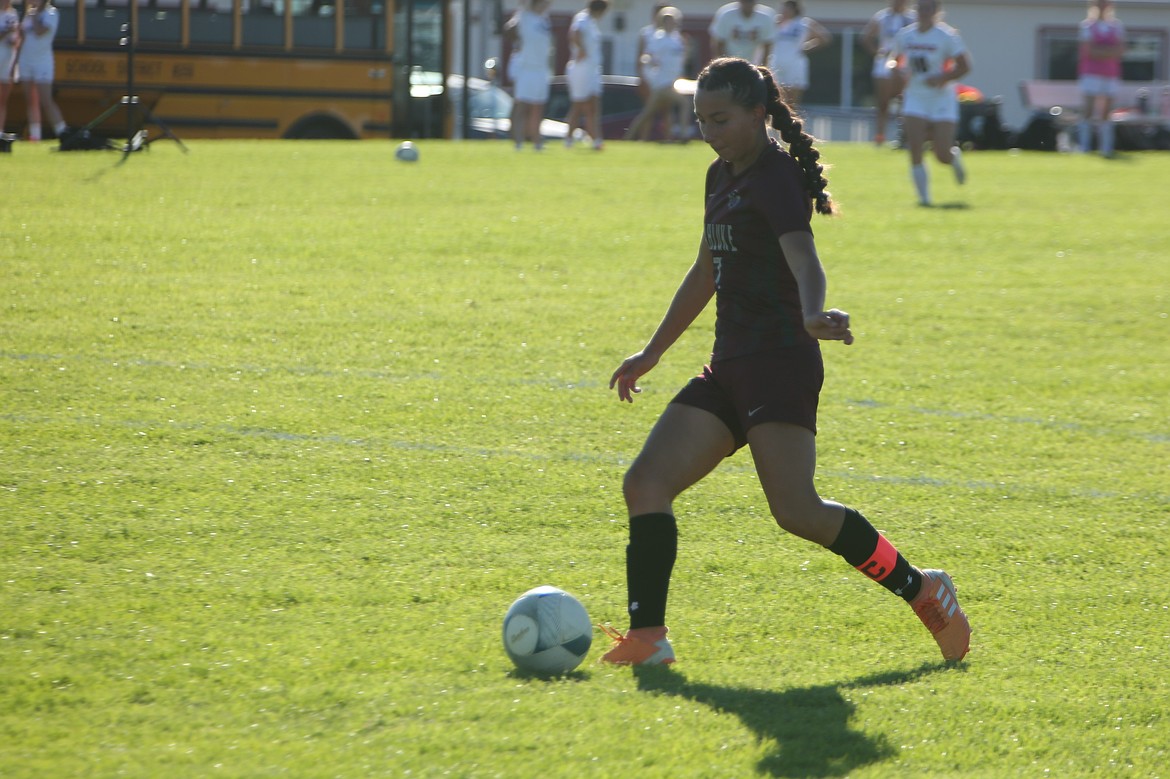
{"x":406,"y":152}
{"x":547,"y":631}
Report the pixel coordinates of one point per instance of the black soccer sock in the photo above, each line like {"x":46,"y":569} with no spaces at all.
{"x":649,"y":561}
{"x":869,"y":552}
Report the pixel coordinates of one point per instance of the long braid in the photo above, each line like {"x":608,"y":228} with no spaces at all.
{"x":750,"y":86}
{"x":800,"y":145}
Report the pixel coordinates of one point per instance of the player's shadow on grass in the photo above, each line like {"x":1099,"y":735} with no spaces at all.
{"x":809,"y":726}
{"x":954,"y":205}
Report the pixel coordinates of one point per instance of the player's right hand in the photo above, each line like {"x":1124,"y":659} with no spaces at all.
{"x":625,"y":378}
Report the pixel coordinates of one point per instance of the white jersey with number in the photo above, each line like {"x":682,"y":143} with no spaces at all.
{"x":927,"y":54}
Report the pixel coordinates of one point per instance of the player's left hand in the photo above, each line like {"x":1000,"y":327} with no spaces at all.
{"x":831,"y":325}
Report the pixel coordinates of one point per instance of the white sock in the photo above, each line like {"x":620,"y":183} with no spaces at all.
{"x":921,"y":183}
{"x":957,"y":165}
{"x":34,"y":131}
{"x":59,"y":128}
{"x":1105,"y":133}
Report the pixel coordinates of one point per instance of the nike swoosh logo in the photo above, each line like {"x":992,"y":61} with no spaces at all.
{"x":755,"y":410}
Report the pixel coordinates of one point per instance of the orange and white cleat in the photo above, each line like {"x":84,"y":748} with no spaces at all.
{"x":938,"y":607}
{"x":639,"y":646}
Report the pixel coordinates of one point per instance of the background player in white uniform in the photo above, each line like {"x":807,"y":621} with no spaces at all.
{"x":530,"y":32}
{"x":35,"y":62}
{"x":742,"y":29}
{"x":644,"y":36}
{"x":9,"y":38}
{"x":933,"y":58}
{"x":584,"y":72}
{"x":793,"y":37}
{"x":666,"y":55}
{"x":878,"y":38}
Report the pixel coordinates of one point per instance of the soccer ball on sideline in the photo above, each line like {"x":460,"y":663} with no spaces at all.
{"x":547,"y":631}
{"x":406,"y":152}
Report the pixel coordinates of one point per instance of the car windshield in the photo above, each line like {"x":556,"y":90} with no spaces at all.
{"x":487,"y":101}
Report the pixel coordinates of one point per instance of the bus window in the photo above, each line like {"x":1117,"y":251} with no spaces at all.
{"x":365,"y":25}
{"x":264,"y":24}
{"x":104,"y":22}
{"x":67,"y":19}
{"x":163,"y":22}
{"x":211,"y":21}
{"x":313,"y":26}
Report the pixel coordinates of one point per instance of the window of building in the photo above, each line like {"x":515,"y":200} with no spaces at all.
{"x":1144,"y":60}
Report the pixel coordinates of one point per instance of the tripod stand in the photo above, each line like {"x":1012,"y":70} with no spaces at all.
{"x":137,"y":113}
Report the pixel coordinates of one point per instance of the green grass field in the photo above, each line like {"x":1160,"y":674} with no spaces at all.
{"x":286,"y":426}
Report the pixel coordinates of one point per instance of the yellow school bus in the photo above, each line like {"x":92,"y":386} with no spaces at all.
{"x":248,"y":68}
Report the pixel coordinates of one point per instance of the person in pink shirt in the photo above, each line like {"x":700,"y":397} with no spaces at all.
{"x":9,"y":46}
{"x":1102,"y":44}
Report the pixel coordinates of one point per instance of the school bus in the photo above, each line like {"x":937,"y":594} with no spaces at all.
{"x":249,"y":68}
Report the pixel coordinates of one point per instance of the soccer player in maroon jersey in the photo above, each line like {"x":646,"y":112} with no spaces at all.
{"x":758,"y":260}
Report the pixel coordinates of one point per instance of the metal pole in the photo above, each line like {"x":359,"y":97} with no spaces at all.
{"x":130,"y":99}
{"x":465,"y":97}
{"x":847,"y":36}
{"x":408,"y":123}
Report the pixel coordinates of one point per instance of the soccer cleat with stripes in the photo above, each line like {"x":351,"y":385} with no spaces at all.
{"x":938,"y":607}
{"x":639,"y":646}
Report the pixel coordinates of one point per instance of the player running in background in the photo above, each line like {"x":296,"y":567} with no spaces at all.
{"x":665,"y":54}
{"x":793,"y":38}
{"x":933,"y":57}
{"x":758,"y":260}
{"x":1102,"y":44}
{"x":878,"y":38}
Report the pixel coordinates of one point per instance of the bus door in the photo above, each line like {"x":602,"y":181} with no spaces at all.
{"x":421,"y":59}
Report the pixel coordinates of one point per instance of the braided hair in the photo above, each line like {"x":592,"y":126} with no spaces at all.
{"x":751,"y":86}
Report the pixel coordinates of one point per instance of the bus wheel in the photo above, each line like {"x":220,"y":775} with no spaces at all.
{"x":320,"y":127}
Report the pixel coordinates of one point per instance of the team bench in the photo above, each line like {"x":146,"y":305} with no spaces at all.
{"x":1048,"y":96}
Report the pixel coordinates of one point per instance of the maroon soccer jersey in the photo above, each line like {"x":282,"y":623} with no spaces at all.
{"x":757,"y":303}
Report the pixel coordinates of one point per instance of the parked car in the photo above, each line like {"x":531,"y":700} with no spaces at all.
{"x":490,"y":108}
{"x":621,"y":102}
